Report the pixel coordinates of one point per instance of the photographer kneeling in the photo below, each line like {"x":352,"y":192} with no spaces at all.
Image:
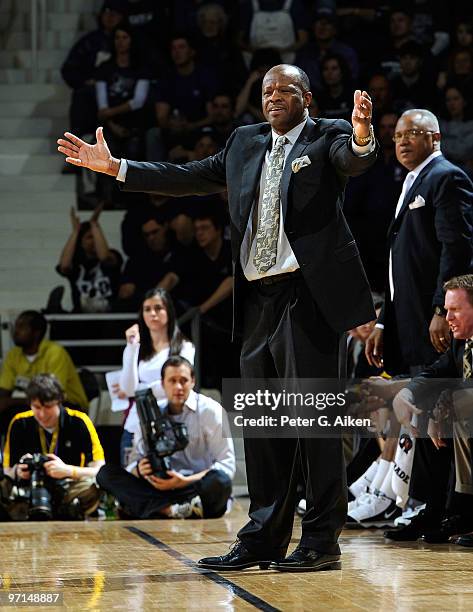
{"x":199,"y":483}
{"x":51,"y":457}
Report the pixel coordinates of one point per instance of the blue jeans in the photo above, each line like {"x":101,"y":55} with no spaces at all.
{"x":126,"y":443}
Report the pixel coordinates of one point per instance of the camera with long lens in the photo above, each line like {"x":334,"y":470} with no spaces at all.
{"x":40,"y":500}
{"x":162,"y":437}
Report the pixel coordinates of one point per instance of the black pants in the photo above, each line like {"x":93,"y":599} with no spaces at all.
{"x":142,"y":501}
{"x":433,"y":471}
{"x":285,"y":336}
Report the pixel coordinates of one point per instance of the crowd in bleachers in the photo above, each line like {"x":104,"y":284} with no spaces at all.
{"x":170,"y":81}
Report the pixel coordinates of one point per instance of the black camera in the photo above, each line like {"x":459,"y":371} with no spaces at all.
{"x":161,"y":436}
{"x":40,"y":500}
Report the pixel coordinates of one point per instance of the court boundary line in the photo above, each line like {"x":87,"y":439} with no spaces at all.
{"x":239,"y":591}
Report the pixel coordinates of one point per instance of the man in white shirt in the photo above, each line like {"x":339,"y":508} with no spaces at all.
{"x":199,"y":484}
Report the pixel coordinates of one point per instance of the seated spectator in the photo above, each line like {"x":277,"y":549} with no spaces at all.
{"x":67,"y":440}
{"x":412,"y":87}
{"x":460,"y":70}
{"x":355,"y":16}
{"x":182,"y":99}
{"x":33,"y":355}
{"x":92,"y":268}
{"x":122,"y":86}
{"x":222,"y":117}
{"x":431,"y":24}
{"x":216,"y":48}
{"x":399,"y":32}
{"x":80,"y":66}
{"x":149,"y":21}
{"x":203,"y":279}
{"x":464,"y":34}
{"x":335,"y":97}
{"x":199,"y":483}
{"x":141,"y":208}
{"x":150,"y":342}
{"x":185,"y":13}
{"x":149,"y":265}
{"x":205,"y":145}
{"x":463,"y":41}
{"x":248,"y":102}
{"x":183,"y":228}
{"x":273,"y":24}
{"x":324,"y":29}
{"x":457,"y":129}
{"x":380,"y":92}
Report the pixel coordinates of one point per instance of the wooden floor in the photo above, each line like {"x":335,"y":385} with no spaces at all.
{"x":149,"y":565}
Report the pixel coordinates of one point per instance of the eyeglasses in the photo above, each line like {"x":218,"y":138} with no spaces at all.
{"x":410,"y":134}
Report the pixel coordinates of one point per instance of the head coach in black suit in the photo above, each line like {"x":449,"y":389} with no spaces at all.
{"x":299,"y":285}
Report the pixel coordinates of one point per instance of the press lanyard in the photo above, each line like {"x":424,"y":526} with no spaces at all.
{"x":52,"y":446}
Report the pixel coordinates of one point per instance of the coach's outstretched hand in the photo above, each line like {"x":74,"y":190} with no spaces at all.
{"x":96,"y":157}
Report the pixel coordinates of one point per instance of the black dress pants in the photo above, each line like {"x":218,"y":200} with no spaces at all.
{"x":431,"y":479}
{"x":142,"y":501}
{"x":285,"y":336}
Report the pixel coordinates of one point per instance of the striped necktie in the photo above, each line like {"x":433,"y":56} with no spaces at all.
{"x":467,"y":360}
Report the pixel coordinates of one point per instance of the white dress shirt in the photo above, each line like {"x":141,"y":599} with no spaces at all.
{"x":208,"y":449}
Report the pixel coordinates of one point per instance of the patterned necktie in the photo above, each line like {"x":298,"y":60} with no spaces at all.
{"x":467,"y":360}
{"x":266,"y":247}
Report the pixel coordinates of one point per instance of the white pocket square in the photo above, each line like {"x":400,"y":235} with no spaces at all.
{"x":300,"y":162}
{"x":417,"y":203}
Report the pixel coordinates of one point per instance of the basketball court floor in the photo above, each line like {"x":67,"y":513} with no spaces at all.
{"x":149,"y":565}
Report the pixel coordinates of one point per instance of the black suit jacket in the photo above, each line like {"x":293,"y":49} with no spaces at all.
{"x":430,"y":244}
{"x":446,"y":372}
{"x":311,"y":201}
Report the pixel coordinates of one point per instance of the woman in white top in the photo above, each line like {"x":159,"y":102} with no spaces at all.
{"x":150,"y":342}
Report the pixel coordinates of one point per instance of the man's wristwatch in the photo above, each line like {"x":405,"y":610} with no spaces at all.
{"x":363,"y":141}
{"x":440,"y":311}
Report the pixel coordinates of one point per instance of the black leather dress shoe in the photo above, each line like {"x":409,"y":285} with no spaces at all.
{"x":465,"y":540}
{"x":307,"y":560}
{"x":452,"y":526}
{"x":238,"y":558}
{"x":412,"y":532}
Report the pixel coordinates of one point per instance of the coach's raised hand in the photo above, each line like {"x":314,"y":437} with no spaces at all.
{"x":96,"y":157}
